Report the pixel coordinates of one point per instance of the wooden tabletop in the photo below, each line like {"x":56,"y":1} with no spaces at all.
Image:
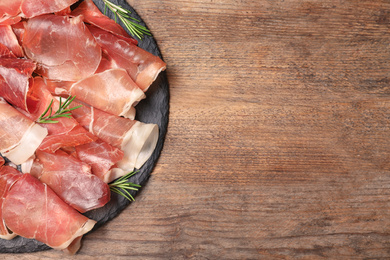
{"x":278,"y":142}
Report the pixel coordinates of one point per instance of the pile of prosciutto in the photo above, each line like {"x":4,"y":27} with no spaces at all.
{"x":52,"y":49}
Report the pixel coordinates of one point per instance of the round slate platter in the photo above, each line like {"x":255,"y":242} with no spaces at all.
{"x":153,"y":109}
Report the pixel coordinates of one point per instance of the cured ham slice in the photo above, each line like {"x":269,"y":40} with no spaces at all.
{"x":15,"y":77}
{"x":8,"y":38}
{"x":101,"y":157}
{"x":63,"y":47}
{"x":19,"y":136}
{"x":5,"y":52}
{"x":112,"y":91}
{"x":18,"y":29}
{"x":8,"y":176}
{"x":10,"y":20}
{"x":136,"y":139}
{"x":142,"y":66}
{"x":71,"y":180}
{"x":67,"y":132}
{"x":92,"y":15}
{"x":32,"y":8}
{"x":9,"y":8}
{"x":32,"y":210}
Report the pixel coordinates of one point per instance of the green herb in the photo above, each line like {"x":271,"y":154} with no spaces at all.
{"x":122,"y":186}
{"x":134,"y":28}
{"x":62,"y":111}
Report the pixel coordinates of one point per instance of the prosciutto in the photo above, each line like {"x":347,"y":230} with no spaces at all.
{"x":32,"y":210}
{"x":15,"y":78}
{"x":18,"y":29}
{"x":112,"y":91}
{"x":67,"y":132}
{"x":19,"y":136}
{"x":63,"y":47}
{"x":92,"y":15}
{"x":71,"y":180}
{"x":8,"y":176}
{"x":136,"y":139}
{"x":8,"y":10}
{"x":5,"y":52}
{"x":32,"y":8}
{"x":142,"y":66}
{"x":9,"y":39}
{"x":101,"y":156}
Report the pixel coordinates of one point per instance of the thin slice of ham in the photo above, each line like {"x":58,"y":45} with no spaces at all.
{"x":112,"y":91}
{"x":9,"y":39}
{"x":32,"y":8}
{"x":8,"y":176}
{"x":101,"y":156}
{"x":92,"y":15}
{"x":63,"y":47}
{"x":10,"y":8}
{"x":136,"y":139}
{"x":15,"y":77}
{"x":71,"y":180}
{"x":19,"y":136}
{"x":18,"y":29}
{"x":67,"y":132}
{"x":142,"y":66}
{"x":33,"y":210}
{"x":5,"y":52}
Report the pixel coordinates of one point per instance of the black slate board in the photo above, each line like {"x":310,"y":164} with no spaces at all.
{"x":153,"y":109}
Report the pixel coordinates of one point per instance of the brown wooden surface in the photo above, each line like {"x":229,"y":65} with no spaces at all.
{"x":278,"y":140}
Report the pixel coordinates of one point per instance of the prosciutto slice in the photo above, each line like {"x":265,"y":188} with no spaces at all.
{"x":136,"y":139}
{"x":101,"y":156}
{"x":71,"y":180}
{"x":32,"y":210}
{"x":112,"y":91}
{"x":63,"y":47}
{"x":15,"y":77}
{"x":9,"y":8}
{"x":142,"y":66}
{"x":8,"y":38}
{"x":5,"y":52}
{"x":32,"y":8}
{"x":8,"y":176}
{"x":67,"y":132}
{"x":18,"y":29}
{"x":92,"y":15}
{"x":19,"y":136}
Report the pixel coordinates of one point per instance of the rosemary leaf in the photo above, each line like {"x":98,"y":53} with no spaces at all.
{"x":122,"y":186}
{"x":135,"y":29}
{"x":63,"y":111}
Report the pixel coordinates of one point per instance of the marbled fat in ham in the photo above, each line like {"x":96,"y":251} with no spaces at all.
{"x":32,"y":210}
{"x":63,"y":47}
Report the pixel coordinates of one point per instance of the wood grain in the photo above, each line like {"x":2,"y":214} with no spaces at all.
{"x":278,"y":140}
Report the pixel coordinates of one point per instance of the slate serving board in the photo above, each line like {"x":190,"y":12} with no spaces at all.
{"x":153,"y":109}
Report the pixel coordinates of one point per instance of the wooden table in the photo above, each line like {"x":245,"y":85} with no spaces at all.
{"x":279,"y":135}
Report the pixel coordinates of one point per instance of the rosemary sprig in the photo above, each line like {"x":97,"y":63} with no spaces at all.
{"x":134,"y":28}
{"x":63,"y":111}
{"x":122,"y":186}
